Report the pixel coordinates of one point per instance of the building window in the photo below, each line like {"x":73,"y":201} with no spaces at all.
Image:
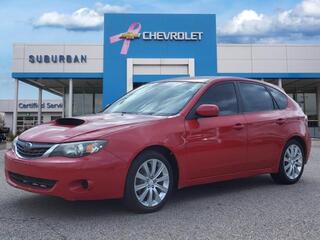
{"x":308,"y":103}
{"x":27,"y":121}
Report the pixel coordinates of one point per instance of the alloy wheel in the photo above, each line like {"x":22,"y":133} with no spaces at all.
{"x":293,"y":161}
{"x":151,"y":182}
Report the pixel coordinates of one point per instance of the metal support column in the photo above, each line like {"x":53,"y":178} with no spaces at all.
{"x":39,"y":106}
{"x":15,"y":110}
{"x":318,"y":104}
{"x":64,"y":105}
{"x":70,"y":97}
{"x":280,"y":83}
{"x":64,"y":114}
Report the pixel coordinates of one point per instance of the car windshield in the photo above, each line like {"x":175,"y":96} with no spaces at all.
{"x":161,"y":99}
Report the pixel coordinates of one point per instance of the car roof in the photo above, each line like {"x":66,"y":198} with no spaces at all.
{"x":188,"y":79}
{"x":205,"y":79}
{"x":211,"y":79}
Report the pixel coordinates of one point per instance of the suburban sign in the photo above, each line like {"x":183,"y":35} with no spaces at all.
{"x":57,"y":58}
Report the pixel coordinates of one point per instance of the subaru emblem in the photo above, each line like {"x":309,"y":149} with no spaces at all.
{"x":29,"y":145}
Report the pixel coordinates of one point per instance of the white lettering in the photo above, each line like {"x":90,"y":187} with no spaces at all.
{"x":172,"y":36}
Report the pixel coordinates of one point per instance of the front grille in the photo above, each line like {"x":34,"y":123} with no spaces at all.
{"x":31,"y":181}
{"x":30,"y":149}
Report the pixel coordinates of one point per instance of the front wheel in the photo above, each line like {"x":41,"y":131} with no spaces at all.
{"x":291,"y":164}
{"x":149,"y":182}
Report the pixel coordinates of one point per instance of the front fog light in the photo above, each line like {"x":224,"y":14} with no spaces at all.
{"x":78,"y":149}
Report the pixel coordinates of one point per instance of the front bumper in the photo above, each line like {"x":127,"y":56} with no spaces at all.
{"x":103,"y":173}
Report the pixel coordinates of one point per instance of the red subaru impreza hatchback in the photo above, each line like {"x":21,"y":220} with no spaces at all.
{"x":162,"y":136}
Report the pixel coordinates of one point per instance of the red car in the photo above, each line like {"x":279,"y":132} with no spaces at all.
{"x":162,"y":136}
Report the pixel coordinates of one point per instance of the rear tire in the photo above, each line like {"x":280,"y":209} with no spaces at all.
{"x":149,"y":183}
{"x":291,"y":164}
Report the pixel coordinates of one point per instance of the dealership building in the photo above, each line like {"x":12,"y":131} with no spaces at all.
{"x":141,"y":48}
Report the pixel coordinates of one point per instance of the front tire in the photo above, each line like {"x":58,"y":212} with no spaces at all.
{"x":149,"y":182}
{"x":291,"y":164}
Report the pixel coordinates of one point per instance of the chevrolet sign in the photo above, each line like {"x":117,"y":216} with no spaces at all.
{"x":172,"y":36}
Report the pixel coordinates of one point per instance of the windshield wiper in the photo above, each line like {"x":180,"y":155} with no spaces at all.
{"x":126,"y":113}
{"x":140,"y":113}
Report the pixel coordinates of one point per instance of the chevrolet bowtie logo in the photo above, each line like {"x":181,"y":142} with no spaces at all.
{"x":130,"y":35}
{"x":126,"y":37}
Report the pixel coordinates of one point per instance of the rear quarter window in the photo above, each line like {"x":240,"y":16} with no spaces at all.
{"x":280,"y":98}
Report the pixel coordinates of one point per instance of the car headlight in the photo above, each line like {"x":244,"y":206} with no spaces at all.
{"x":77,"y":149}
{"x":13,"y":144}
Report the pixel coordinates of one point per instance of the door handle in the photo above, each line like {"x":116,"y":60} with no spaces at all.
{"x":238,"y":126}
{"x":280,"y":121}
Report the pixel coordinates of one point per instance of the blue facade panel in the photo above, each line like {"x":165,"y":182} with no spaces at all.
{"x":140,"y":25}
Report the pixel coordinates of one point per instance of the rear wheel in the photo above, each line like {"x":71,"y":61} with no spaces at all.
{"x":149,"y":182}
{"x":291,"y":164}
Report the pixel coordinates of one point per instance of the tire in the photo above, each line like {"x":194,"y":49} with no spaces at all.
{"x":149,"y":182}
{"x":290,"y":166}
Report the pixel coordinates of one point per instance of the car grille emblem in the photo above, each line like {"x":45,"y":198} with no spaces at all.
{"x":28,"y":145}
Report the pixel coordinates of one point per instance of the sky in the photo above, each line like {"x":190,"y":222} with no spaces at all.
{"x":81,"y":21}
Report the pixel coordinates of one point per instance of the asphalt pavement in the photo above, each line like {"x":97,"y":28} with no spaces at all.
{"x":251,"y":208}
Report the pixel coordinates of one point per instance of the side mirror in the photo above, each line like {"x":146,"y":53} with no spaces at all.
{"x":208,"y":110}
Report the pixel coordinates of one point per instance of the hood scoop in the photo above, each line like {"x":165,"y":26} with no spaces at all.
{"x":69,"y":121}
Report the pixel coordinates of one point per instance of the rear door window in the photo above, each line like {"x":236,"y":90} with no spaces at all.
{"x":255,"y":98}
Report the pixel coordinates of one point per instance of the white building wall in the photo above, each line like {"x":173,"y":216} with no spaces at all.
{"x":232,"y":58}
{"x":268,"y":58}
{"x":8,"y":120}
{"x":46,"y":117}
{"x":94,"y":53}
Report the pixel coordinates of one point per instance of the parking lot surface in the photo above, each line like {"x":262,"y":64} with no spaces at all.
{"x":251,"y":208}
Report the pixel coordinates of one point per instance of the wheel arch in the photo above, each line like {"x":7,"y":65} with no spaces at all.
{"x":300,"y":140}
{"x":169,"y":155}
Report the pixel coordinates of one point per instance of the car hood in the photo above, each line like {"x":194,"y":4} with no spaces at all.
{"x":86,"y":127}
